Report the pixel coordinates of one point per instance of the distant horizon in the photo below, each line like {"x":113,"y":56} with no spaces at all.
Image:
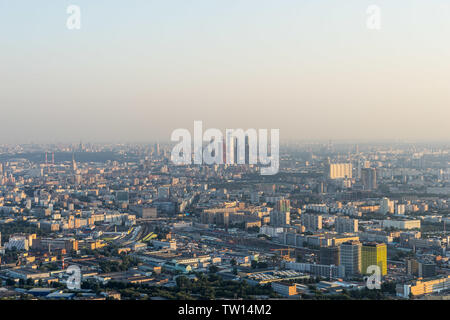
{"x":283,"y":141}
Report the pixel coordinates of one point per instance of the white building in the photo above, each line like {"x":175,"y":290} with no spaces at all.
{"x":402,"y":224}
{"x":346,"y":225}
{"x":270,"y":231}
{"x":18,"y":243}
{"x":340,"y":171}
{"x":386,"y":206}
{"x":400,"y":209}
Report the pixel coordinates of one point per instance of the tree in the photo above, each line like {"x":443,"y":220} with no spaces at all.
{"x":213,"y":269}
{"x":183,"y":283}
{"x":388,"y":287}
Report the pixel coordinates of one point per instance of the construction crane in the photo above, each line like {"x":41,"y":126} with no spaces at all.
{"x":287,"y":256}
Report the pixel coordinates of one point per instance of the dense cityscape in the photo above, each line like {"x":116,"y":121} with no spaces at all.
{"x":138,"y":227}
{"x":216,"y":159}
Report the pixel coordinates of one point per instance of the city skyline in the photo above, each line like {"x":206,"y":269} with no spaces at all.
{"x":124,"y":222}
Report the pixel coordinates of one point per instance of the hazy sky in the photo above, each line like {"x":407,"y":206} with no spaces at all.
{"x":137,"y":70}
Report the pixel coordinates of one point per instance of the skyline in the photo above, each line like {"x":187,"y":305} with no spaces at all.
{"x":224,"y":158}
{"x":130,"y":223}
{"x":136,"y":72}
{"x":283,"y":142}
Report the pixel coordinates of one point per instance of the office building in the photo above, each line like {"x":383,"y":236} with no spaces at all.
{"x":369,"y":178}
{"x":279,"y":218}
{"x":122,"y":196}
{"x":346,"y":225}
{"x":144,"y":212}
{"x":283,"y":205}
{"x":421,"y":287}
{"x":374,"y":254}
{"x":330,"y":255}
{"x":280,"y":215}
{"x":421,"y":269}
{"x":340,"y":171}
{"x":400,"y":209}
{"x":318,"y":270}
{"x":350,"y":257}
{"x":284,"y":289}
{"x":401,"y":224}
{"x":386,"y":206}
{"x":311,"y":222}
{"x":163,"y":192}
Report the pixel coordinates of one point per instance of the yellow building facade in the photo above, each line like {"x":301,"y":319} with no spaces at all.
{"x":374,"y":254}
